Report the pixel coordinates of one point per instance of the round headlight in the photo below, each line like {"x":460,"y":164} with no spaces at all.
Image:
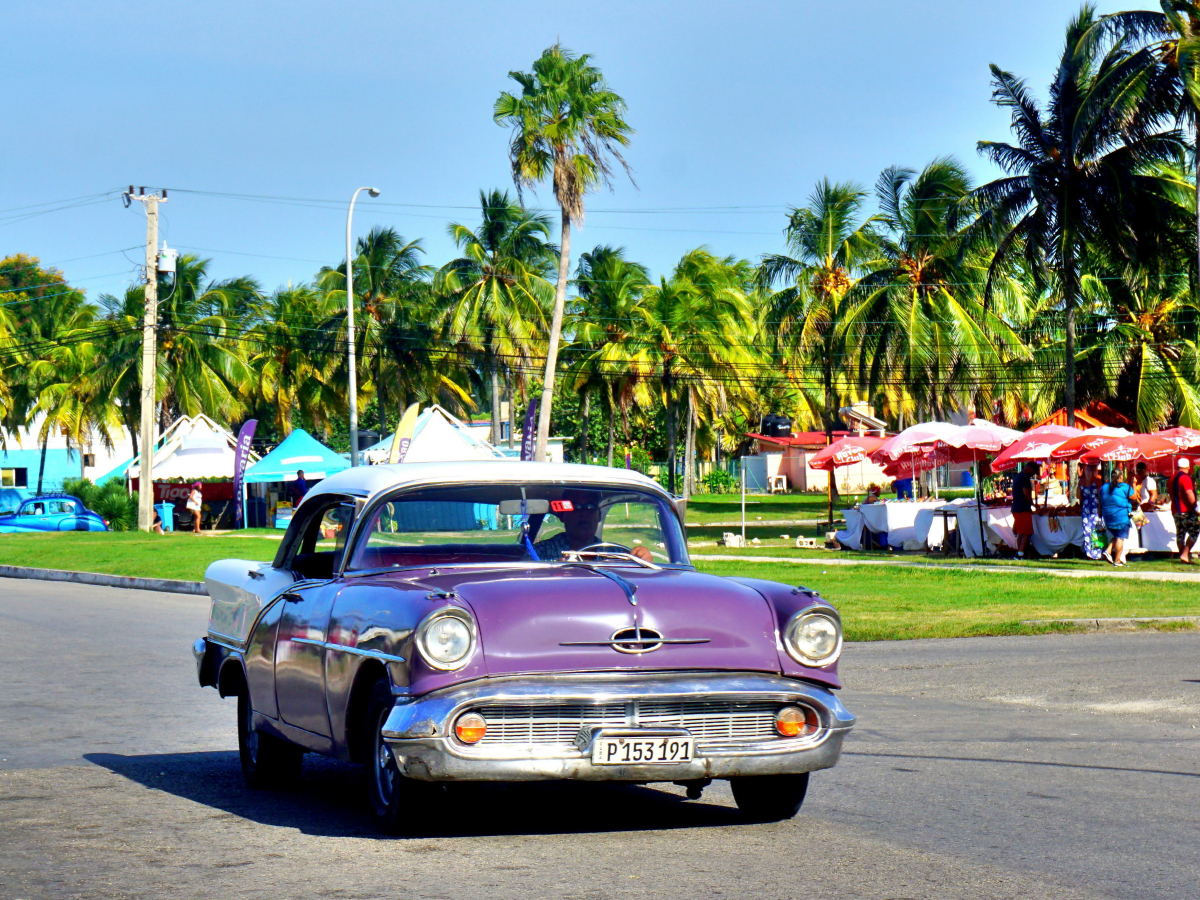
{"x":814,"y":638}
{"x":446,"y":638}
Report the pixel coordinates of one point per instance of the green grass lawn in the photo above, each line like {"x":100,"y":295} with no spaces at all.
{"x":877,"y":602}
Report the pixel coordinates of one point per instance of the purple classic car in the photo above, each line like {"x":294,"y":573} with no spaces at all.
{"x":507,"y":621}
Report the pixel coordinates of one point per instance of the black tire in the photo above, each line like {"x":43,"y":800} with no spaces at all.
{"x":769,"y":798}
{"x":400,"y":805}
{"x":267,"y":761}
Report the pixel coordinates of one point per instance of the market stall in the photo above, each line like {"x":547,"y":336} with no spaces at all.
{"x":272,"y":500}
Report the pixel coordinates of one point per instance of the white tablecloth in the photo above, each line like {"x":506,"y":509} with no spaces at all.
{"x":852,"y":536}
{"x":1158,"y":534}
{"x":903,"y":521}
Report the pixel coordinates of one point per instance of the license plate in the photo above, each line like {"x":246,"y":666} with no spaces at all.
{"x":632,"y":751}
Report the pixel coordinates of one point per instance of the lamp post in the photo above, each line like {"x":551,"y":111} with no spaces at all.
{"x":374,"y":192}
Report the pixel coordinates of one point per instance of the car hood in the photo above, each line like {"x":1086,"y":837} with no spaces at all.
{"x":556,"y":618}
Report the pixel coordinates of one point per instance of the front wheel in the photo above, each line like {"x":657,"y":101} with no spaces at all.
{"x":267,"y":761}
{"x":769,"y":798}
{"x":401,"y":805}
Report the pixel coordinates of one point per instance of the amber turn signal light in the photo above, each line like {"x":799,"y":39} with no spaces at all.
{"x":792,"y":721}
{"x":470,"y":728}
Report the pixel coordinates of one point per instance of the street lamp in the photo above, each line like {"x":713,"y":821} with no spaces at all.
{"x":374,"y":192}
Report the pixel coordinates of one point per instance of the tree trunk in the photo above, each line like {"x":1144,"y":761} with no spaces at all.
{"x":689,"y":448}
{"x":383,"y":428}
{"x":583,"y":438}
{"x":612,"y":425}
{"x":512,"y":411}
{"x":1196,"y":154}
{"x":495,"y":376}
{"x":671,"y":429}
{"x":830,"y":400}
{"x":560,"y":300}
{"x":42,"y":466}
{"x":1069,"y":350}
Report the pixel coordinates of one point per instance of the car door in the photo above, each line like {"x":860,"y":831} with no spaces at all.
{"x":304,"y":619}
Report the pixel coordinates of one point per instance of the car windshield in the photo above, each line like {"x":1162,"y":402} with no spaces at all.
{"x":519,"y":523}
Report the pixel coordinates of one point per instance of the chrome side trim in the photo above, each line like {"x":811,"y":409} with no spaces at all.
{"x":356,"y":651}
{"x":229,"y":643}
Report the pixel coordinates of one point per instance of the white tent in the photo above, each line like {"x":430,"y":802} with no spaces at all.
{"x":438,"y":437}
{"x":192,"y":448}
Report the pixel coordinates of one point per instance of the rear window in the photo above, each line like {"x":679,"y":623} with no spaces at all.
{"x":516,"y":523}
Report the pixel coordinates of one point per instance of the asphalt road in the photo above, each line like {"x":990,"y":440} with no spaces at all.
{"x":1056,"y":766}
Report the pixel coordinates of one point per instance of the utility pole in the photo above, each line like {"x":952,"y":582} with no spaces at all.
{"x":149,"y":355}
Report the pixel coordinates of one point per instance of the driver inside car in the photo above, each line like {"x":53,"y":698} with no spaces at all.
{"x":579,"y":512}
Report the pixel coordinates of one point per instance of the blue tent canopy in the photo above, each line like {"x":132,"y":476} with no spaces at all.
{"x":299,"y":450}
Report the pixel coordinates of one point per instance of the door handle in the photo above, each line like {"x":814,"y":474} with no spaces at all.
{"x":289,"y":597}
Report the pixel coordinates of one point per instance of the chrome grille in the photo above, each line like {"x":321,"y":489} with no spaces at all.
{"x":712,"y":720}
{"x":560,"y":723}
{"x":550,"y":723}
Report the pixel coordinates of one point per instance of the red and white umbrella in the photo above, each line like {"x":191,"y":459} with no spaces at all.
{"x":1183,"y":438}
{"x":845,"y":452}
{"x":968,"y":442}
{"x":912,"y":441}
{"x":1036,"y":443}
{"x":1132,"y":447}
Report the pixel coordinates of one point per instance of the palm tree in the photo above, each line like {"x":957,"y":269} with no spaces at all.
{"x":1173,"y":39}
{"x":1083,"y":167}
{"x":608,"y":289}
{"x":828,"y":245}
{"x":566,"y":124}
{"x":920,"y":326}
{"x":692,"y":329}
{"x":387,"y":273}
{"x":495,"y":296}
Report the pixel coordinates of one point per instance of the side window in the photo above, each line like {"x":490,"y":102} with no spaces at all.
{"x":315,"y":541}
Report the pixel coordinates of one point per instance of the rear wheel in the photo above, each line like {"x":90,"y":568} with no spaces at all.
{"x":769,"y":798}
{"x":401,"y":805}
{"x":267,"y":761}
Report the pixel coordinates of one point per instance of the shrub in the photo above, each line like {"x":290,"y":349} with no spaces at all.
{"x":718,"y":481}
{"x":108,"y":500}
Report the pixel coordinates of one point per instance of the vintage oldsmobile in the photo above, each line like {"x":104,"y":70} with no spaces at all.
{"x":512,"y":621}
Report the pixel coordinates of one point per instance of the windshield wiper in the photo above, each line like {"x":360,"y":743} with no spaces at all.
{"x":579,"y":555}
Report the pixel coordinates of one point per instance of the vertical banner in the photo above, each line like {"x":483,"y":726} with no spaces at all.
{"x":529,"y":433}
{"x":241,"y":456}
{"x":404,"y":433}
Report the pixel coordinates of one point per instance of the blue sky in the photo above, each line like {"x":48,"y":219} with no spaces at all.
{"x":739,"y":109}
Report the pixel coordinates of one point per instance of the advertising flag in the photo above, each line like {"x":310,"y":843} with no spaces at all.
{"x":403,"y":436}
{"x":529,"y":434}
{"x":241,"y":457}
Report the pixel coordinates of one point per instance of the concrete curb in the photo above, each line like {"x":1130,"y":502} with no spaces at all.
{"x":1130,"y":623}
{"x":163,"y":585}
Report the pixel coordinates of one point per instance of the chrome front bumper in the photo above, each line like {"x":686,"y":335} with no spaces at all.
{"x":419,"y":731}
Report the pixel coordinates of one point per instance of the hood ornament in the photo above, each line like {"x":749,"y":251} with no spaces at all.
{"x":635,"y":640}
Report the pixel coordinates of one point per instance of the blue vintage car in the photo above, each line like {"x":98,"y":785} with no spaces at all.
{"x":52,"y":512}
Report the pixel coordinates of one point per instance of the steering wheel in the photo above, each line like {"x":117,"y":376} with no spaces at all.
{"x":600,"y":544}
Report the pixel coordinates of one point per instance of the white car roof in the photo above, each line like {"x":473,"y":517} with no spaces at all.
{"x":367,"y":481}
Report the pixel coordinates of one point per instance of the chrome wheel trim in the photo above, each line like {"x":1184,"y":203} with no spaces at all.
{"x":384,"y":766}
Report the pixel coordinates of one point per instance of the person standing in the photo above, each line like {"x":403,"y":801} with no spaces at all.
{"x":1182,"y":491}
{"x":299,"y":488}
{"x":1116,"y":501}
{"x":1089,"y":505}
{"x":1022,"y":505}
{"x":1147,"y":487}
{"x":195,"y":503}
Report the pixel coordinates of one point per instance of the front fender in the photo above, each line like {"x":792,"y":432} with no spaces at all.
{"x":786,"y":601}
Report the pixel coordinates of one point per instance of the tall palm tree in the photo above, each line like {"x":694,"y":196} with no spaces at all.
{"x":1173,"y":39}
{"x":1083,"y":166}
{"x":566,"y":124}
{"x":608,"y":288}
{"x":692,"y":329}
{"x":495,"y":296}
{"x":387,"y":272}
{"x":920,"y":324}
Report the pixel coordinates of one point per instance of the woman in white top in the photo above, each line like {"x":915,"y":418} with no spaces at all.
{"x":195,"y":502}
